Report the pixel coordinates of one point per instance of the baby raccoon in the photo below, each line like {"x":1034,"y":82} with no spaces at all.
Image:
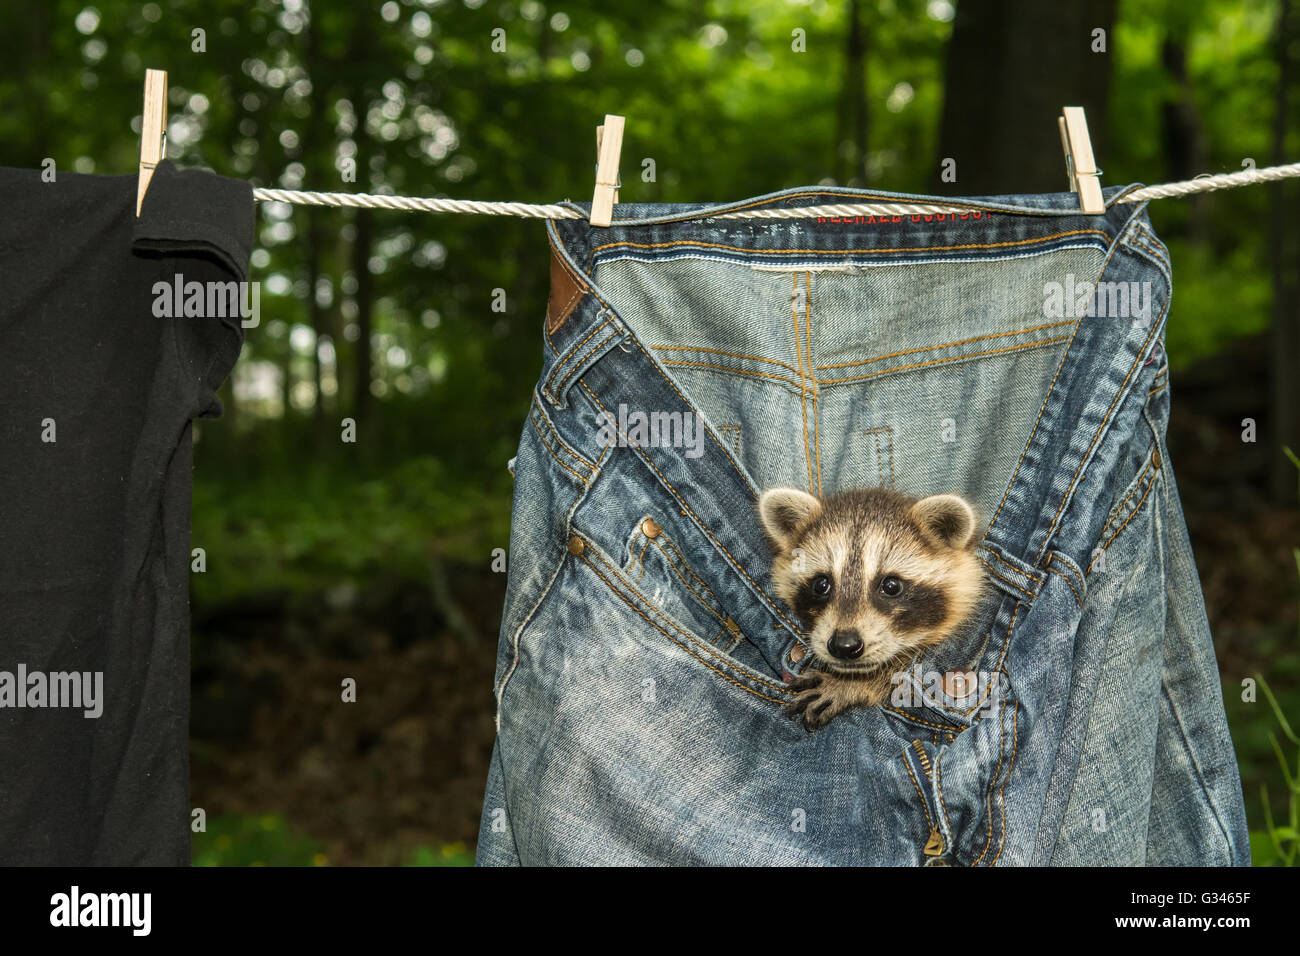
{"x":874,"y":576}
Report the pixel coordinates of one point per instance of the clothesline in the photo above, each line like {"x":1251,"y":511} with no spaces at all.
{"x":1201,"y":184}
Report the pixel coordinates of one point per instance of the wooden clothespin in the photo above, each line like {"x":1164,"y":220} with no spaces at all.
{"x":153,"y":131}
{"x":609,"y":144}
{"x":1080,"y":165}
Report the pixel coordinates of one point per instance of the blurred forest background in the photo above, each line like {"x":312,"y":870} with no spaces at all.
{"x":373,"y":560}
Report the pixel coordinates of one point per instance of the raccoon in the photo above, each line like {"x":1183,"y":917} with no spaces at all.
{"x":873,"y":576}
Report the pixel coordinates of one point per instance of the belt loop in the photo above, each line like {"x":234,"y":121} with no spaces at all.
{"x":597,"y":338}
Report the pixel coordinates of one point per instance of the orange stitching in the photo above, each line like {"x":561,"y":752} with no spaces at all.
{"x":689,"y":404}
{"x":1046,"y":398}
{"x":734,"y":371}
{"x":1006,"y":646}
{"x":699,"y":597}
{"x":946,"y":345}
{"x":727,"y":429}
{"x":1137,"y":485}
{"x":1077,"y":600}
{"x":979,"y":207}
{"x":988,"y":567}
{"x":1155,"y":253}
{"x":572,"y":355}
{"x":902,"y":713}
{"x":665,"y":545}
{"x":803,"y":388}
{"x":594,"y":349}
{"x":795,"y":629}
{"x":888,"y":432}
{"x":640,"y":555}
{"x":1136,"y":508}
{"x":692,"y":348}
{"x":988,"y":794}
{"x":924,"y":809}
{"x":1158,"y":388}
{"x":756,"y":678}
{"x":638,"y":610}
{"x":938,"y":786}
{"x":848,"y":252}
{"x":500,"y":691}
{"x":950,"y":358}
{"x":807,"y":323}
{"x":1100,"y":428}
{"x":724,"y":676}
{"x":1002,"y":791}
{"x":558,"y":461}
{"x":1065,"y":569}
{"x":555,"y":436}
{"x":1160,"y":259}
{"x":1006,"y":562}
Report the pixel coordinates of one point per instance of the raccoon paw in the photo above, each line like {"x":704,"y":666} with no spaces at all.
{"x":820,"y":698}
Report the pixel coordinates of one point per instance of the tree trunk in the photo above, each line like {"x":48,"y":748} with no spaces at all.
{"x":364,"y":299}
{"x":1180,"y":128}
{"x":1286,"y":301}
{"x":851,"y":155}
{"x":317,"y":71}
{"x":1011,"y":66}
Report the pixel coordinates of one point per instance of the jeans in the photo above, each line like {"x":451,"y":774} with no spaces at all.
{"x":1011,"y":354}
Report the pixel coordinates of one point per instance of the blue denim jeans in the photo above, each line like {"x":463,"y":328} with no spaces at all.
{"x":1011,"y":354}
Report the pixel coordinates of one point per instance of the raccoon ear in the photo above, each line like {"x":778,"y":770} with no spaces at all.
{"x":947,"y":518}
{"x":783,"y":511}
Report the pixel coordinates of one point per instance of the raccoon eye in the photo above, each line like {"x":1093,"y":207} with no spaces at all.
{"x":820,"y":586}
{"x":891,"y":586}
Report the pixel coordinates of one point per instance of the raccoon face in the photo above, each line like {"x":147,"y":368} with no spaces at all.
{"x":872,"y":574}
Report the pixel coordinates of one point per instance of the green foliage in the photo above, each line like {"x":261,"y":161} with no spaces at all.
{"x":233,"y":840}
{"x":1276,"y":845}
{"x":1217,"y":297}
{"x":1279,"y":845}
{"x":450,"y":854}
{"x":295,"y":532}
{"x":268,"y":840}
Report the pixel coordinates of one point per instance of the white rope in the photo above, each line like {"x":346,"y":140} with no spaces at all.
{"x":1206,"y":183}
{"x":1201,"y":184}
{"x":368,"y":201}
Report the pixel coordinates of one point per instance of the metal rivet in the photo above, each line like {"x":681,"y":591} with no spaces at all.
{"x":798,"y":653}
{"x":1155,"y":458}
{"x":958,"y":684}
{"x":650,"y":529}
{"x":576,"y":547}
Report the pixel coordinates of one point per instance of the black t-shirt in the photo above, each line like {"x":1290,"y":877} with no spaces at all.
{"x":97,"y":394}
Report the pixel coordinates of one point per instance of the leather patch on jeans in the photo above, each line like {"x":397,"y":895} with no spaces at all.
{"x":566,"y":290}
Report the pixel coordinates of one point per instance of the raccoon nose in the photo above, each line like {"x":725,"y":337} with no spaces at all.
{"x":845,"y":645}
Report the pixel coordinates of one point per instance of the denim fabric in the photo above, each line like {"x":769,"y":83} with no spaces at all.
{"x":643,"y":660}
